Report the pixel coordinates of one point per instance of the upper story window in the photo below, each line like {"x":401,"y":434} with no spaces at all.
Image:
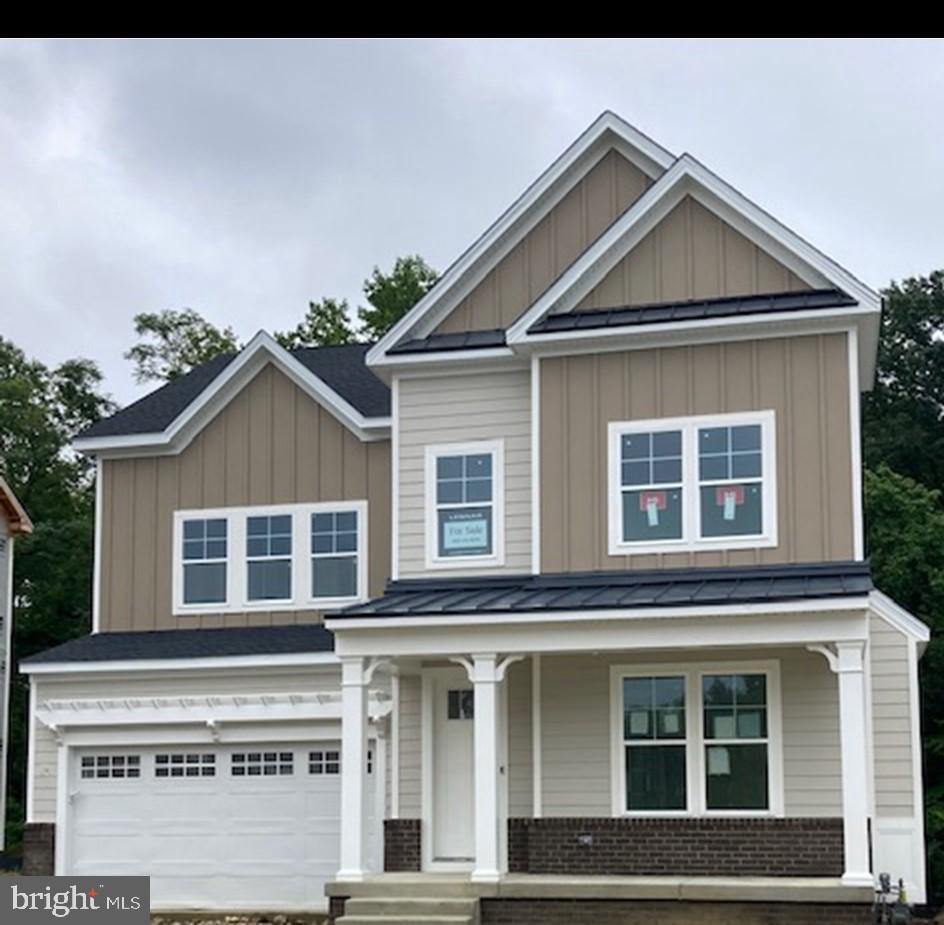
{"x":692,"y":483}
{"x":464,"y":505}
{"x":285,"y":557}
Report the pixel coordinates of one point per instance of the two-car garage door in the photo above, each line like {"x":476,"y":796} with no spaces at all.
{"x":238,"y":826}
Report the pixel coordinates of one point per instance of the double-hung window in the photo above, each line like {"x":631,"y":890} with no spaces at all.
{"x":464,"y":502}
{"x":285,"y":557}
{"x":697,"y":740}
{"x":692,"y":483}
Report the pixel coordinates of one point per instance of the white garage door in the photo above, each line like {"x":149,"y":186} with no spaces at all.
{"x":238,"y":827}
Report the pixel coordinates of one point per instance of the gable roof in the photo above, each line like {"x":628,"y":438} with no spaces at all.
{"x":608,"y":131}
{"x":16,"y":515}
{"x":336,"y":377}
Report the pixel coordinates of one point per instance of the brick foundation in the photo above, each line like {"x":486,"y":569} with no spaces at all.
{"x":690,"y":847}
{"x":642,"y":912}
{"x":39,"y":849}
{"x":401,"y":844}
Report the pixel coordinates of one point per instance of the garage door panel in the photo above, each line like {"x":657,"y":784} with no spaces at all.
{"x":215,"y":830}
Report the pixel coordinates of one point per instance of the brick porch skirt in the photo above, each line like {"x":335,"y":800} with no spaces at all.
{"x":808,"y":847}
{"x":691,"y":847}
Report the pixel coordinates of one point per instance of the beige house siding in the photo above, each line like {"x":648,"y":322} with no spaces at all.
{"x":520,"y":801}
{"x":805,"y":380}
{"x":575,"y":731}
{"x":458,"y":409}
{"x":276,"y":681}
{"x":891,"y":720}
{"x":272,"y":444}
{"x":607,"y":190}
{"x":410,"y":746}
{"x":691,"y":254}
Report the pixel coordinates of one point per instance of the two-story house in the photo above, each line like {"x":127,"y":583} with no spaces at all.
{"x":550,"y":606}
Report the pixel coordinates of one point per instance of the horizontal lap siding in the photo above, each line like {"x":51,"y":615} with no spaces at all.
{"x":410,"y":755}
{"x":459,"y":409}
{"x":891,"y":720}
{"x":507,"y":290}
{"x":520,"y":801}
{"x":575,"y":731}
{"x":272,"y":444}
{"x":803,"y":379}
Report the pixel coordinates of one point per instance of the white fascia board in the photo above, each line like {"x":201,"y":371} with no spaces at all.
{"x":688,"y":177}
{"x":445,"y":360}
{"x":524,"y":213}
{"x":261,"y":349}
{"x":895,"y":615}
{"x":816,"y":605}
{"x":223,"y":663}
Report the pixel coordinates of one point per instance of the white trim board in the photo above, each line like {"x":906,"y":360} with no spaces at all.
{"x":262,"y":349}
{"x":223,"y":662}
{"x":608,"y":131}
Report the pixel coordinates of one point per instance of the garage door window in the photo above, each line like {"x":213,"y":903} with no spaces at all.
{"x":111,"y":766}
{"x":184,"y":765}
{"x":324,"y":762}
{"x":262,"y":764}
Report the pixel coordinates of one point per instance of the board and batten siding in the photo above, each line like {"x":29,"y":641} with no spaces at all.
{"x":464,"y":408}
{"x":594,"y":203}
{"x":691,"y":254}
{"x":803,"y":379}
{"x":891,"y":720}
{"x":178,"y":684}
{"x":575,"y":731}
{"x":271,"y":444}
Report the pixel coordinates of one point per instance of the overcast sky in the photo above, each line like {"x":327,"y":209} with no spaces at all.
{"x":244,"y":178}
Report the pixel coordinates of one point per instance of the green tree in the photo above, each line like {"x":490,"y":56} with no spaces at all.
{"x":175,"y":342}
{"x":41,"y":410}
{"x":326,"y":323}
{"x":391,"y":295}
{"x":903,"y":416}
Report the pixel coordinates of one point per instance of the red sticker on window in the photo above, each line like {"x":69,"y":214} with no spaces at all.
{"x":723,"y":491}
{"x":658,"y":498}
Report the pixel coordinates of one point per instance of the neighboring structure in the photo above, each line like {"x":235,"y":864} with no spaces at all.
{"x":14,"y":522}
{"x":587,"y":524}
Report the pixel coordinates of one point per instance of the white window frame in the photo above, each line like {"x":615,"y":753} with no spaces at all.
{"x":496,"y":448}
{"x":695,"y":742}
{"x":691,"y":539}
{"x":237,"y":569}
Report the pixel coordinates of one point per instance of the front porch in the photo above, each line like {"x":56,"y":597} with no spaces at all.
{"x":699,"y":752}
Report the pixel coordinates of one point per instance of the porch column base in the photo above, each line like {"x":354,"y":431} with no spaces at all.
{"x":485,"y":876}
{"x":351,"y":876}
{"x":854,"y":879}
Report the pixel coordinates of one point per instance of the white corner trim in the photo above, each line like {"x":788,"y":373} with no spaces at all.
{"x":523,"y":214}
{"x":895,"y":615}
{"x":855,"y":444}
{"x":31,"y":754}
{"x":535,"y":465}
{"x":97,"y":565}
{"x":691,"y":539}
{"x":537,"y":748}
{"x":261,"y":349}
{"x":223,"y":663}
{"x":395,"y":478}
{"x":496,"y":559}
{"x":919,"y":887}
{"x":688,"y":176}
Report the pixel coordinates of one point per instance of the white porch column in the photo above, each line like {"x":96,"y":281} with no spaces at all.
{"x":849,"y":667}
{"x":485,"y":680}
{"x":354,"y":679}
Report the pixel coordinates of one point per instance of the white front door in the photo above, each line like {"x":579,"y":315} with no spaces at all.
{"x":453,"y":708}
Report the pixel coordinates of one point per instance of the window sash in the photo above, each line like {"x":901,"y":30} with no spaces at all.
{"x":693,"y":535}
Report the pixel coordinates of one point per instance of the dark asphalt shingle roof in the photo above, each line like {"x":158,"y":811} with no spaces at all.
{"x":614,"y":590}
{"x":461,"y":340}
{"x":692,"y":310}
{"x":193,"y":643}
{"x":341,"y":367}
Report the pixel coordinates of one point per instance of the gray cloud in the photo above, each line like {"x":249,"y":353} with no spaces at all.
{"x":243,"y":178}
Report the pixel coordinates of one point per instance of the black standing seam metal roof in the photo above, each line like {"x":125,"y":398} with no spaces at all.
{"x":461,"y":340}
{"x":341,"y":367}
{"x":692,"y":310}
{"x":617,"y":590}
{"x":190,"y":643}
